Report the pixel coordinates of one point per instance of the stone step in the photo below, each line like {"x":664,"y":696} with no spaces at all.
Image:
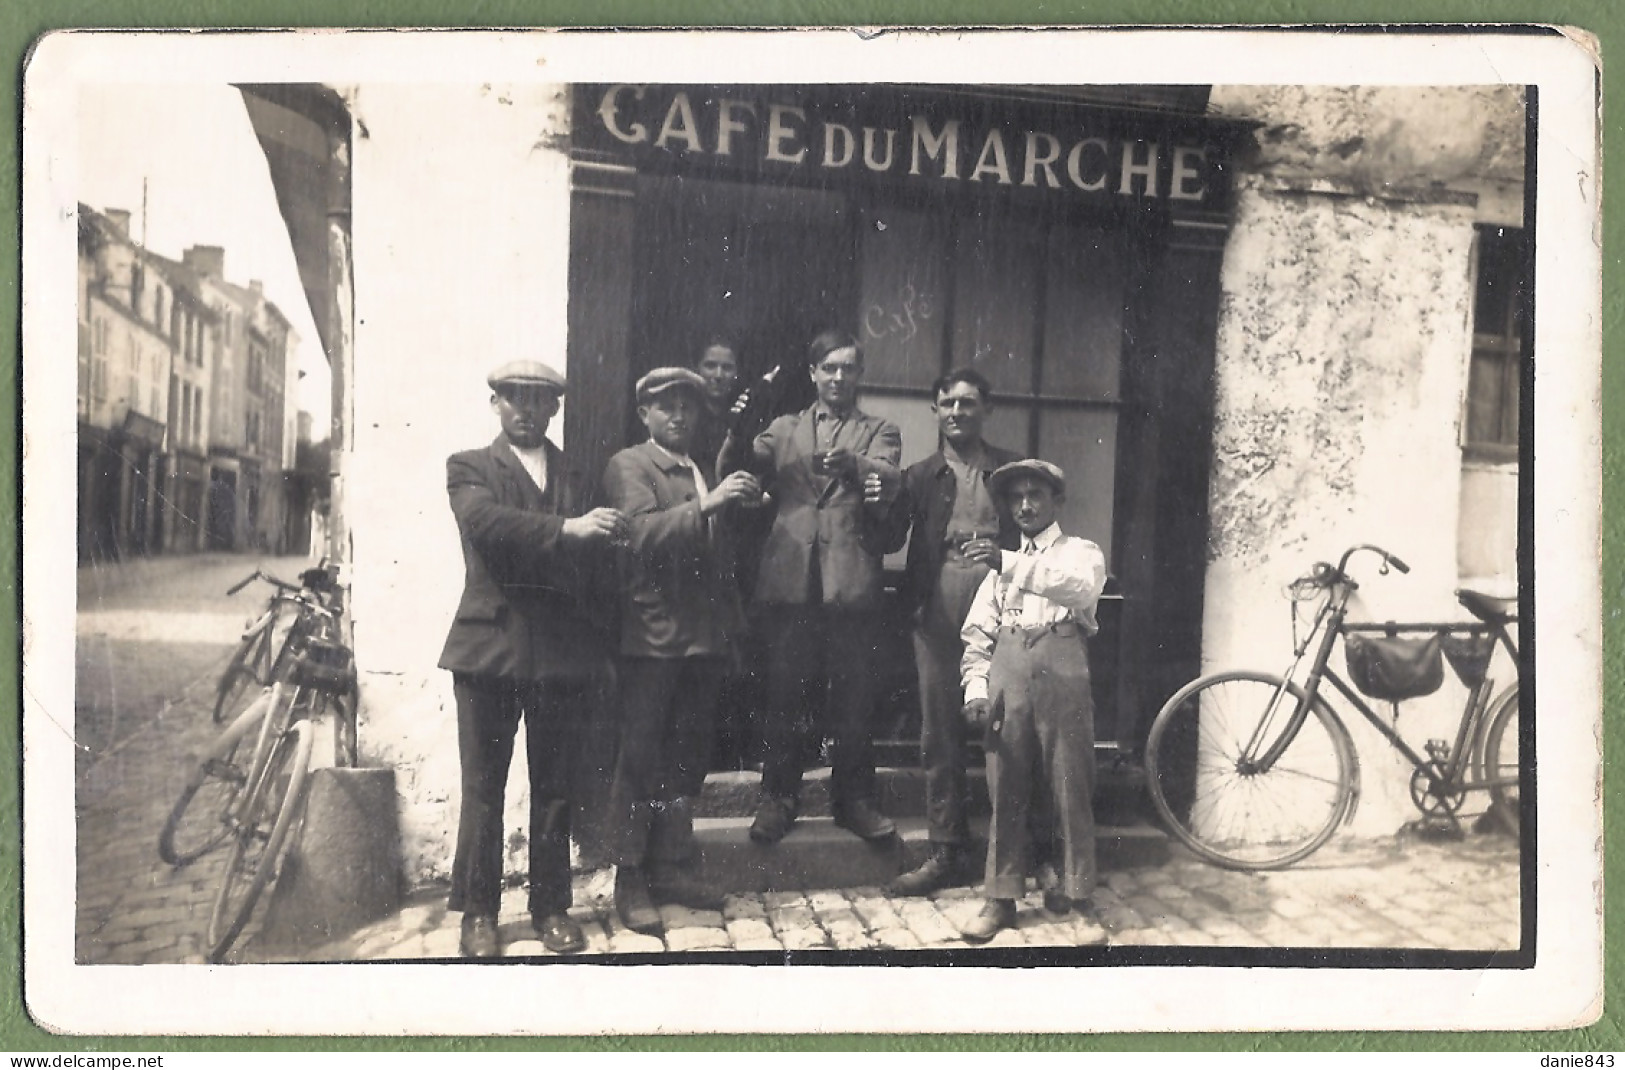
{"x":1120,"y":797}
{"x":817,"y":854}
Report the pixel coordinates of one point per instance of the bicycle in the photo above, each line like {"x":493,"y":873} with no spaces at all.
{"x":199,"y":823}
{"x":1255,"y":771}
{"x":259,"y":659}
{"x":254,"y":804}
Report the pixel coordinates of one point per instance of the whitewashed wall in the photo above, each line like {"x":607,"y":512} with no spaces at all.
{"x":461,"y":240}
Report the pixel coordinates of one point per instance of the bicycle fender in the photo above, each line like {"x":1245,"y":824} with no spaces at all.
{"x":1354,"y":788}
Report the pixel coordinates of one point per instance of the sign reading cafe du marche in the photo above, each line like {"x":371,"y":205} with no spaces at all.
{"x":831,"y":134}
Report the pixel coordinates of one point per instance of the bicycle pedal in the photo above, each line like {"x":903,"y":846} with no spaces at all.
{"x":225,"y":770}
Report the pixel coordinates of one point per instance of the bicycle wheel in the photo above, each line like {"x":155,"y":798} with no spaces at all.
{"x":1499,"y":760}
{"x":201,"y":818}
{"x":241,"y":676}
{"x":260,"y":837}
{"x":1204,"y":782}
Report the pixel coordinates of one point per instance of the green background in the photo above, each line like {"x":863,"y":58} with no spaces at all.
{"x":22,"y":21}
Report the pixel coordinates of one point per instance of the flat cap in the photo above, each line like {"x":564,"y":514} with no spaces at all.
{"x":663,"y":379}
{"x":1032,"y":466}
{"x":525,"y":373}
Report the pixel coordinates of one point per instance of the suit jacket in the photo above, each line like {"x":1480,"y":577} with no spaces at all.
{"x":524,"y":612}
{"x":678,"y":597}
{"x":827,"y":517}
{"x":924,"y":509}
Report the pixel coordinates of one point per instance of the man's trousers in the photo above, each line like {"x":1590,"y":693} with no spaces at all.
{"x":820,"y":670}
{"x":938,"y":650}
{"x":668,"y":710}
{"x":488,"y":714}
{"x":1045,"y":748}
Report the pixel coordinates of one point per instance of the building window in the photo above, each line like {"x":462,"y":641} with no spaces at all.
{"x":1500,"y":295}
{"x":98,"y":364}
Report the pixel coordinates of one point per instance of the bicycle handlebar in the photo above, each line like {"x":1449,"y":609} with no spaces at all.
{"x":1387,"y":558}
{"x":1324,"y":575}
{"x":281,"y":585}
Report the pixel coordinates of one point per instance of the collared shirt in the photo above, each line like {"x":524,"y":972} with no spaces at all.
{"x":827,"y":426}
{"x":974,"y":513}
{"x":1059,"y":579}
{"x":700,"y":484}
{"x":534,"y":462}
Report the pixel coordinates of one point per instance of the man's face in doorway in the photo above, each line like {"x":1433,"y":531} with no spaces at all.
{"x":837,"y":376}
{"x":525,"y":412}
{"x":720,"y":370}
{"x":1033,"y":501}
{"x":670,"y":418}
{"x":961,"y":410}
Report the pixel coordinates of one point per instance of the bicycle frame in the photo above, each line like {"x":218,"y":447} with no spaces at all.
{"x":272,"y":726}
{"x":1330,"y":625}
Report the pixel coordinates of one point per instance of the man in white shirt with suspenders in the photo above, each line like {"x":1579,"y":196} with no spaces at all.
{"x":1026,"y":679}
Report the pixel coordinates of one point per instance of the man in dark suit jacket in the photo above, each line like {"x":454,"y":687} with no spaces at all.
{"x":679,"y":617}
{"x":956,"y":529}
{"x":832,"y":470}
{"x":524,"y":645}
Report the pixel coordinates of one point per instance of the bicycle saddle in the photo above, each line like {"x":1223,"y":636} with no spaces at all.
{"x":1490,"y":608}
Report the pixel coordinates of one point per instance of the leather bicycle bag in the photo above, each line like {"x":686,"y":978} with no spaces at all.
{"x":1469,"y":656}
{"x":325,"y":666}
{"x":1392,"y":668}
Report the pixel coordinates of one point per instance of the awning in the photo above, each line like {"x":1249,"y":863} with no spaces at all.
{"x":304,"y":130}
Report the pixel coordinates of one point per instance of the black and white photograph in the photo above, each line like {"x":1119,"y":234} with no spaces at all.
{"x":811,"y":531}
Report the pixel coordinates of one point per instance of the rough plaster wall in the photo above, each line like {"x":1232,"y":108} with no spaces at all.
{"x":461,"y":247}
{"x":1341,"y":364}
{"x":1372,"y":139}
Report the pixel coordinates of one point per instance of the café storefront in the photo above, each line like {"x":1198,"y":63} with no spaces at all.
{"x":1065,"y":242}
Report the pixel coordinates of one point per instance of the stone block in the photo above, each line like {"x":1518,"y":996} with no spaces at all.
{"x":344,"y":869}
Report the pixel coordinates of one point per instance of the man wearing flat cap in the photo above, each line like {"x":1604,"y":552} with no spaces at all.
{"x":525,"y":645}
{"x":679,"y":614}
{"x":1026,"y":678}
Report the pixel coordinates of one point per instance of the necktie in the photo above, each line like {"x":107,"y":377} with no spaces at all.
{"x":1018,"y":597}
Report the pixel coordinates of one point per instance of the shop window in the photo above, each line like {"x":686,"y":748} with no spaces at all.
{"x":1035,"y":305}
{"x":1500,"y":293}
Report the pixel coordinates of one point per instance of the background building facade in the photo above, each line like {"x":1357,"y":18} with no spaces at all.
{"x":187,"y":390}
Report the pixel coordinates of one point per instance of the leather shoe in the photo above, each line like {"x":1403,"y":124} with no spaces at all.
{"x":859,"y":817}
{"x":683,"y":890}
{"x":1056,"y":901}
{"x":941,"y":869}
{"x":637,"y":911}
{"x":559,"y":933}
{"x":996,"y":914}
{"x":773,"y":819}
{"x":479,"y":940}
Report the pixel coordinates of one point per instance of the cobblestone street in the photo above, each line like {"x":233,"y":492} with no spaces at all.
{"x":1389,"y":894}
{"x":153,"y":637}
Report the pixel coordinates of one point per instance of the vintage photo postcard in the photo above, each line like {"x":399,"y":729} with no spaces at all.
{"x":811,"y":531}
